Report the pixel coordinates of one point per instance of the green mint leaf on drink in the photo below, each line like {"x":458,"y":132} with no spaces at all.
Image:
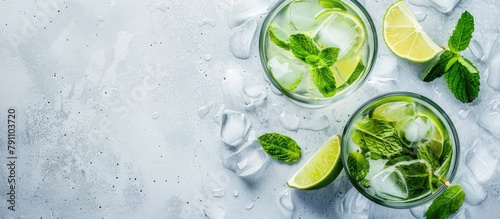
{"x":460,"y":39}
{"x":439,"y":68}
{"x":417,"y":176}
{"x":462,"y":82}
{"x":396,"y":160}
{"x":356,"y":73}
{"x":329,"y":56}
{"x":302,"y":46}
{"x":323,"y":78}
{"x":377,"y":136}
{"x":447,"y":203}
{"x":279,"y":42}
{"x":280,"y":147}
{"x":358,"y":165}
{"x":425,"y":152}
{"x":312,"y":60}
{"x":332,"y":4}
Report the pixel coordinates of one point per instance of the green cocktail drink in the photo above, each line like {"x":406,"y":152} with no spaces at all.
{"x":400,"y":150}
{"x":317,"y":51}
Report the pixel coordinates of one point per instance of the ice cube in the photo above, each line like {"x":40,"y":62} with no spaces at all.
{"x":213,"y":212}
{"x":287,"y":71}
{"x":417,"y":129}
{"x":234,"y":127}
{"x":289,"y":120}
{"x":474,"y":192}
{"x":354,"y":205}
{"x":495,"y":47}
{"x":336,"y":31}
{"x":494,"y":72}
{"x":420,"y":15}
{"x":481,"y":162}
{"x":385,"y":70}
{"x":261,"y":115}
{"x":419,"y":212}
{"x":242,"y":10}
{"x":255,"y":95}
{"x":317,"y":123}
{"x":285,"y":204}
{"x":489,"y":121}
{"x":390,"y":184}
{"x":462,"y":213}
{"x":476,"y":49}
{"x":248,"y":161}
{"x":443,"y":6}
{"x":300,"y":16}
{"x":241,"y":39}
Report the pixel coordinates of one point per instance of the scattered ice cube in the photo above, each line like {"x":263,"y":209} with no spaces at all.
{"x":249,"y":160}
{"x":385,"y":70}
{"x":234,"y":127}
{"x":285,"y":204}
{"x":231,"y":88}
{"x":336,"y":31}
{"x":289,"y":120}
{"x":476,"y":49}
{"x":481,"y":162}
{"x":250,"y":205}
{"x":474,"y":192}
{"x":419,"y":211}
{"x":489,"y":121}
{"x":463,"y":113}
{"x":242,"y":10}
{"x":336,"y":115}
{"x":218,"y":193}
{"x":390,"y":184}
{"x":316,"y":124}
{"x":462,"y":213}
{"x":420,"y":15}
{"x":495,"y":47}
{"x":235,"y":193}
{"x":213,"y":212}
{"x":354,"y":205}
{"x":443,"y":6}
{"x":261,"y":115}
{"x":300,"y":16}
{"x":155,"y":115}
{"x":241,"y":39}
{"x":255,"y":95}
{"x":494,"y":72}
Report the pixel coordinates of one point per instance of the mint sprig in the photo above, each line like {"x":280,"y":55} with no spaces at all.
{"x":447,"y":203}
{"x":280,"y":147}
{"x":462,"y":77}
{"x":279,"y":42}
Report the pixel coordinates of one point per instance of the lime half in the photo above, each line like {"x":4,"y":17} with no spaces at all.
{"x":394,"y":111}
{"x":319,"y":171}
{"x":404,"y":36}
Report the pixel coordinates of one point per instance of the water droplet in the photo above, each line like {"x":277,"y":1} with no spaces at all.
{"x":218,"y":193}
{"x":204,"y":110}
{"x":336,"y":115}
{"x":101,"y":19}
{"x":161,"y":6}
{"x":289,"y":120}
{"x":420,"y":15}
{"x":208,"y":57}
{"x":213,"y":212}
{"x":206,"y":21}
{"x":155,"y":115}
{"x":285,"y":204}
{"x":249,"y":206}
{"x":463,"y":113}
{"x":235,"y":193}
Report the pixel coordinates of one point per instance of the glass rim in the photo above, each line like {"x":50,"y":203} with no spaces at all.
{"x":454,"y":163}
{"x":320,"y":102}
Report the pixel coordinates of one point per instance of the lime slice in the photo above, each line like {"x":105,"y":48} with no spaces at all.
{"x":340,"y":30}
{"x":435,"y":135}
{"x":319,"y":171}
{"x":394,"y":111}
{"x":323,"y":14}
{"x":405,"y":37}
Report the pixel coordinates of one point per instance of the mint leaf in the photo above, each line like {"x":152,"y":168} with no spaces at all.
{"x":312,"y":60}
{"x":302,"y":46}
{"x":332,"y":4}
{"x":358,"y":165}
{"x":445,"y":159}
{"x":447,"y":203}
{"x":279,"y":42}
{"x":424,"y":152}
{"x":323,"y":79}
{"x":460,"y":39}
{"x":397,"y":160}
{"x":329,"y":56}
{"x":439,"y":67}
{"x":280,"y":147}
{"x":417,"y":176}
{"x":377,"y":136}
{"x":463,"y":83}
{"x":357,"y":71}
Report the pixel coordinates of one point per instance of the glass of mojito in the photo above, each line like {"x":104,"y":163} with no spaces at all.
{"x":316,"y":52}
{"x":400,"y":150}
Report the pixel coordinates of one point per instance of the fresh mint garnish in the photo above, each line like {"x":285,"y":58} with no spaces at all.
{"x":279,"y":42}
{"x":377,"y":136}
{"x":302,"y":46}
{"x":417,"y":176}
{"x":397,"y":160}
{"x":329,"y":56}
{"x":280,"y":147}
{"x":447,"y":203}
{"x":424,"y":152}
{"x":358,"y":165}
{"x":461,"y":75}
{"x":323,"y":78}
{"x":332,"y":4}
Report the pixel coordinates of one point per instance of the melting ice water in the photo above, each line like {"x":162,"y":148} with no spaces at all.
{"x":419,"y":212}
{"x":389,"y":184}
{"x":249,"y":160}
{"x":475,"y":193}
{"x":489,"y":121}
{"x":385,"y":70}
{"x":354,"y":205}
{"x":443,"y":6}
{"x":481,"y":162}
{"x":214,"y":212}
{"x":285,"y":204}
{"x":234,"y":127}
{"x":241,"y":39}
{"x":242,"y":10}
{"x":289,"y":120}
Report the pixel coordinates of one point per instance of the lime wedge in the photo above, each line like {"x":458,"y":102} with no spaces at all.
{"x":435,"y":135}
{"x":319,"y":171}
{"x":394,"y":111}
{"x":404,"y":36}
